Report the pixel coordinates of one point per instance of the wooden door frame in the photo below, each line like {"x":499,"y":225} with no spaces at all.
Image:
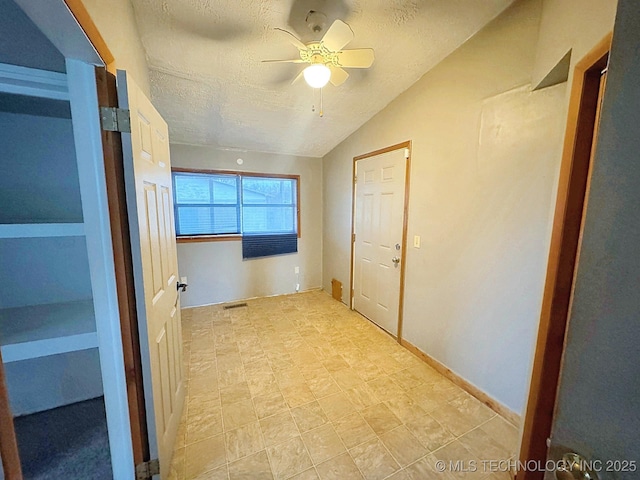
{"x":405,"y":218}
{"x":79,"y":11}
{"x":119,"y":220}
{"x":9,"y":453}
{"x":563,"y":255}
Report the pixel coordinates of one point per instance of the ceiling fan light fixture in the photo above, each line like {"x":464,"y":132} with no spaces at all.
{"x":317,"y":75}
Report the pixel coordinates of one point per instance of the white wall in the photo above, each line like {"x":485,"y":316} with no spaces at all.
{"x":216,"y":271}
{"x":48,"y":382}
{"x":39,"y":183}
{"x":38,"y":156}
{"x":485,"y":155}
{"x":116,"y":22}
{"x":22,"y":43}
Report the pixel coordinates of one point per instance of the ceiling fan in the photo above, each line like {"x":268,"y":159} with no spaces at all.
{"x":325,"y":57}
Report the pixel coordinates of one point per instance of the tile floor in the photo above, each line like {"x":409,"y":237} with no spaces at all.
{"x":301,"y":387}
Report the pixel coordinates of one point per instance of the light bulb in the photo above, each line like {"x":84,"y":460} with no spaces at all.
{"x":317,"y":75}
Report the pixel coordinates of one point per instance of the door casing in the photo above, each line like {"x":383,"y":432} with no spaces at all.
{"x":119,"y":218}
{"x":563,"y":255}
{"x":404,"y":145}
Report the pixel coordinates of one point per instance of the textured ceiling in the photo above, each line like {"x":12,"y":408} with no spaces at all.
{"x":208,"y":82}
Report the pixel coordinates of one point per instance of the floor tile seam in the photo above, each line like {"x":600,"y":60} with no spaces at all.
{"x":187,"y":426}
{"x":465,"y":393}
{"x":424,"y":457}
{"x":266,"y":452}
{"x":325,"y":412}
{"x":294,"y":422}
{"x":273,"y":473}
{"x":353,"y":458}
{"x":310,"y":468}
{"x":441,"y":426}
{"x":478,"y":427}
{"x":391,"y":453}
{"x":313,"y":463}
{"x":470,"y":420}
{"x":346,"y":452}
{"x":383,"y":446}
{"x":456,"y":437}
{"x":261,"y":436}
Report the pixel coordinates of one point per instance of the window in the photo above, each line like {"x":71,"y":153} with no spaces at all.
{"x":206,"y":204}
{"x":212,"y":205}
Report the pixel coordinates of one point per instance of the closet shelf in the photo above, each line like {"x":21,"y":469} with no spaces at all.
{"x":31,"y":230}
{"x":42,"y":330}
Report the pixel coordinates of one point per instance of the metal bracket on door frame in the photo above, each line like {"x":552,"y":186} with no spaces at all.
{"x":146,"y":470}
{"x":115,"y":119}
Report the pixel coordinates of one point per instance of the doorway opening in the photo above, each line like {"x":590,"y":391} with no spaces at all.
{"x":573,"y":188}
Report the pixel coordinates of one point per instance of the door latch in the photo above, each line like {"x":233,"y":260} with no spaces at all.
{"x":182,"y":287}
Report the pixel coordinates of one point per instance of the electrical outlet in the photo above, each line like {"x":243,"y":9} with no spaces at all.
{"x":296,"y":269}
{"x":183,"y":280}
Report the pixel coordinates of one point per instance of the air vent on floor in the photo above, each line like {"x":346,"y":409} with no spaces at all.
{"x":235,"y":305}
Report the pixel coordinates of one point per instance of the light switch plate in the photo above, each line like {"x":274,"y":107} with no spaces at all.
{"x":416,"y":241}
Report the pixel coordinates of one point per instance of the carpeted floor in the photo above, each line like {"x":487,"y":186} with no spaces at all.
{"x":65,"y":443}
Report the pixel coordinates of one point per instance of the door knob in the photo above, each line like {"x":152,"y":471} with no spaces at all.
{"x":575,"y":467}
{"x":396,"y":260}
{"x":182,"y":287}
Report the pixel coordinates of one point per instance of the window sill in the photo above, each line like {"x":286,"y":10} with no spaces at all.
{"x":208,"y":238}
{"x":212,"y":238}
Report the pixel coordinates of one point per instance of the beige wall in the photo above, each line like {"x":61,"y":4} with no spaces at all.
{"x":485,"y":162}
{"x":574,"y":25}
{"x":485,"y":153}
{"x":216,"y":271}
{"x":116,"y":22}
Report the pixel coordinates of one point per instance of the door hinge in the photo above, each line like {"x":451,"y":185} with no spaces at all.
{"x":355,"y":179}
{"x":115,"y":119}
{"x":146,"y":470}
{"x":353,"y":239}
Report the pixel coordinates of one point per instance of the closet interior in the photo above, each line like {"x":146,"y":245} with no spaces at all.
{"x":47,"y":321}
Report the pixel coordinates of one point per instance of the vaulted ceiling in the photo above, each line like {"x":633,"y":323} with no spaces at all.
{"x":209,"y":83}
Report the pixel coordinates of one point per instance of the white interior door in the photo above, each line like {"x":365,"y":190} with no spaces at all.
{"x":150,"y":206}
{"x":379,"y":214}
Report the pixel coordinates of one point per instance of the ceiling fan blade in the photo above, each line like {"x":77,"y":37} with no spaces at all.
{"x":293,"y":39}
{"x":338,"y":76}
{"x":338,"y":35}
{"x":298,"y":77}
{"x":293,"y":60}
{"x":358,"y":58}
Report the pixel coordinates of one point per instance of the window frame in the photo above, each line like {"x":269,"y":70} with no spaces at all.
{"x":224,"y":237}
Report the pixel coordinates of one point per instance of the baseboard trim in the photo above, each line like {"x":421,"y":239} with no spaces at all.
{"x":310,"y":289}
{"x":490,"y":402}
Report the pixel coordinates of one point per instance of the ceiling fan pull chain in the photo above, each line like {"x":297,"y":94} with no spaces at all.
{"x":321,"y":109}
